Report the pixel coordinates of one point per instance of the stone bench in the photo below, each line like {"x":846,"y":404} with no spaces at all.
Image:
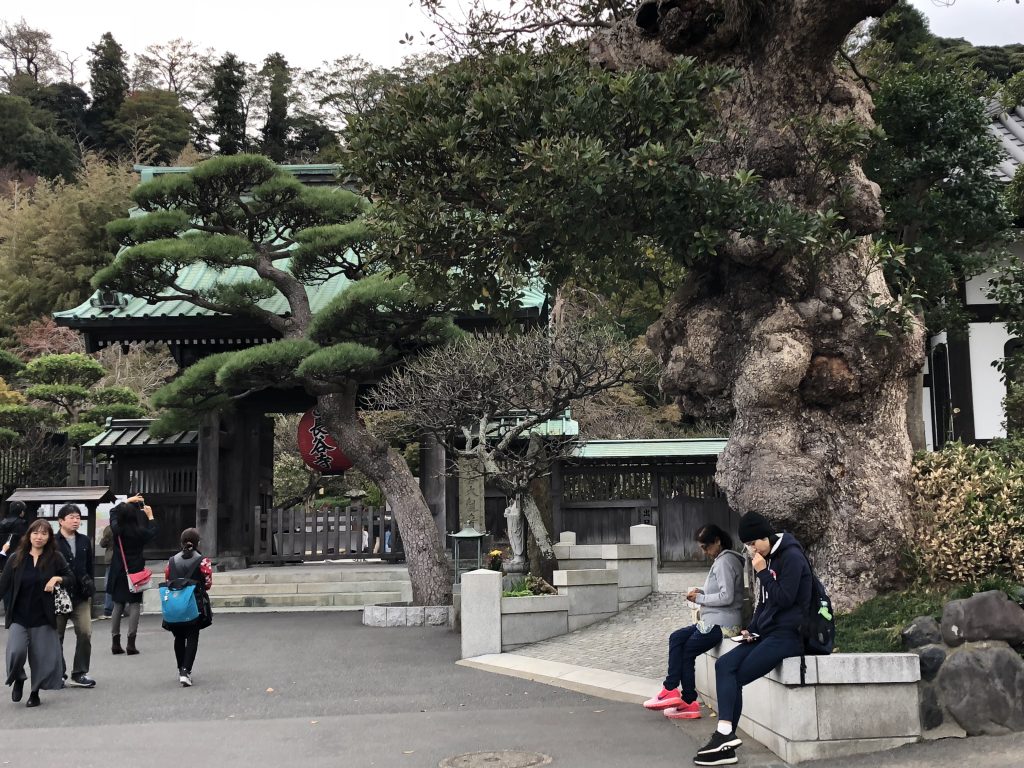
{"x":853,"y":703}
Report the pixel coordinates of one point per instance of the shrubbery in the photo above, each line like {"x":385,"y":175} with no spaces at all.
{"x":968,"y":507}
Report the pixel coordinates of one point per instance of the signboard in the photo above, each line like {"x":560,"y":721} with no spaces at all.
{"x":319,"y":450}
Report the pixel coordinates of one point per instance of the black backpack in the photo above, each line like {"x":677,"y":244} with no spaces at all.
{"x":818,"y":629}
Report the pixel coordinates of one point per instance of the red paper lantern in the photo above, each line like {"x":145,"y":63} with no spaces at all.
{"x":319,"y":450}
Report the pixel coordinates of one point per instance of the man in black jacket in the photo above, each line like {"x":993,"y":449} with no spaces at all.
{"x":76,"y":550}
{"x":12,"y":528}
{"x":784,"y":585}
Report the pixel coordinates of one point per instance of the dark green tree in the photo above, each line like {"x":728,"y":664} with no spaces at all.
{"x":243,"y":211}
{"x":783,"y":323}
{"x":68,"y":104}
{"x":227,"y":122}
{"x":942,"y":202}
{"x":29,"y":142}
{"x":153,"y":125}
{"x":277,"y":126}
{"x":108,"y":82}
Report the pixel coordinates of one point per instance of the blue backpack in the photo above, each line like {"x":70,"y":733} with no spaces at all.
{"x":178,"y":599}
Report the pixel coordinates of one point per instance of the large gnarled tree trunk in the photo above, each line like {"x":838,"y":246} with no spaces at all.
{"x":819,"y":439}
{"x":428,"y":564}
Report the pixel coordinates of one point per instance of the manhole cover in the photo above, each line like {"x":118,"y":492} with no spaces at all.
{"x":502,"y":759}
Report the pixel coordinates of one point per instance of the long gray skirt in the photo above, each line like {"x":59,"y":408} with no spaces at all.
{"x":40,"y":647}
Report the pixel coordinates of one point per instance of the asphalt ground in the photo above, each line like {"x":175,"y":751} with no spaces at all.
{"x":319,"y":689}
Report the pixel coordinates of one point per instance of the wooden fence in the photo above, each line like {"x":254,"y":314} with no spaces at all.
{"x":350,"y":533}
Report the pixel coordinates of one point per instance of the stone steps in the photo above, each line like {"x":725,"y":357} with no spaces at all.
{"x":302,"y":587}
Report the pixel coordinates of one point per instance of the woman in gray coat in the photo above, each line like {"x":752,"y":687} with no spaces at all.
{"x":721,"y":607}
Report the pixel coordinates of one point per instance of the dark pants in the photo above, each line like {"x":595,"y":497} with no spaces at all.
{"x":685,"y":645}
{"x":82,"y":618}
{"x":747,"y":663}
{"x":186,"y":643}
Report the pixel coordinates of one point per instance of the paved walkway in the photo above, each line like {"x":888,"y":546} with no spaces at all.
{"x":634,"y":641}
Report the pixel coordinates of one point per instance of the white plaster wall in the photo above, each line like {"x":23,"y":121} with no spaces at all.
{"x":987,"y":342}
{"x":976,"y":288}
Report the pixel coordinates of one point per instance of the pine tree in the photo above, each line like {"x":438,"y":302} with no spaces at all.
{"x":228,"y":120}
{"x":108,"y":80}
{"x":275,"y":130}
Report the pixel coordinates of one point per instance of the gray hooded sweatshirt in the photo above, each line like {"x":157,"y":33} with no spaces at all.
{"x":722,"y":600}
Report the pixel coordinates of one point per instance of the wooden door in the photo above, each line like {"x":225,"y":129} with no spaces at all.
{"x":687,"y":502}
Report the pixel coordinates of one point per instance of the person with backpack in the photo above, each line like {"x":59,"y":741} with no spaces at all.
{"x":188,"y":571}
{"x":784,"y":582}
{"x":721,"y":606}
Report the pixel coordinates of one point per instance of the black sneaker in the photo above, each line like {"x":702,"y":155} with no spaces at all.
{"x":718,"y":743}
{"x":725,"y":756}
{"x":82,"y":680}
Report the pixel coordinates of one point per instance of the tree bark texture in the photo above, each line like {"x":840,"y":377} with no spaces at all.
{"x":819,"y":439}
{"x":424,"y":554}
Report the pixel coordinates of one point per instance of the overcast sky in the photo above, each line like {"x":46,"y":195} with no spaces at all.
{"x":310,"y":31}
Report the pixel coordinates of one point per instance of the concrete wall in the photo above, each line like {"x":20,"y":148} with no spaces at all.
{"x":594,"y":582}
{"x":853,"y":703}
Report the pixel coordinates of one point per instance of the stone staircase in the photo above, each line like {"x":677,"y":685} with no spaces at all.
{"x":309,"y":587}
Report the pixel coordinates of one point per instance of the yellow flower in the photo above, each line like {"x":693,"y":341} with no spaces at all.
{"x":494,"y":553}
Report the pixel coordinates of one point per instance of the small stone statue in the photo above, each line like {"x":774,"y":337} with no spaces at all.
{"x":514,"y":525}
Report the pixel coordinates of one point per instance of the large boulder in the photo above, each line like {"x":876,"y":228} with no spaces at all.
{"x":931,"y":657}
{"x":984,"y":616}
{"x":982,"y":687}
{"x":924,"y":630}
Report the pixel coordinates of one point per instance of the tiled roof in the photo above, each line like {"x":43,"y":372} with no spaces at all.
{"x":1008,"y":127}
{"x":73,"y":494}
{"x":644,"y":449}
{"x":108,"y":305}
{"x":134,"y":433}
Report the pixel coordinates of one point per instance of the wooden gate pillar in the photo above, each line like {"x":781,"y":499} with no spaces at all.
{"x":208,"y":482}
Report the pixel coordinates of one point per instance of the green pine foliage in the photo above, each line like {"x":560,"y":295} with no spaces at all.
{"x":265,"y":366}
{"x":243,"y":211}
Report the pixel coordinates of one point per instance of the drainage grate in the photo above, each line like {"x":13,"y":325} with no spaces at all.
{"x":502,"y":759}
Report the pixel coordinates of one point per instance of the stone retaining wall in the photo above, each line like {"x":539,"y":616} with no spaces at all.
{"x":853,"y":703}
{"x":407,"y":616}
{"x":594,"y":582}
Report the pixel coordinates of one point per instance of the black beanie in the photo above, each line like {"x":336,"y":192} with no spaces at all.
{"x":753,"y":526}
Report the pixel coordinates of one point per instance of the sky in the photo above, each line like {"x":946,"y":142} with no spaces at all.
{"x":308,"y":32}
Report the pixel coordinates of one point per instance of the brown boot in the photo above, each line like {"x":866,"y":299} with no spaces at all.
{"x":115,"y":645}
{"x":132,"y":650}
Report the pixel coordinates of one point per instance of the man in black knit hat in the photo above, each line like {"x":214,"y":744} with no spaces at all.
{"x":784,"y":581}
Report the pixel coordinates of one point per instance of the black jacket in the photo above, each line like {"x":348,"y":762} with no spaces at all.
{"x":785,"y":586}
{"x":133,"y":539}
{"x":14,"y":527}
{"x":10,"y":583}
{"x":81,"y":561}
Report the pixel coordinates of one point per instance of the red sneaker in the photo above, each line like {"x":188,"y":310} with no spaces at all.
{"x":664,"y":700}
{"x":684,"y":711}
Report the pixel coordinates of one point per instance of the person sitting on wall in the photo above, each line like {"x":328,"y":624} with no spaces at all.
{"x":784,"y":581}
{"x":721,"y":606}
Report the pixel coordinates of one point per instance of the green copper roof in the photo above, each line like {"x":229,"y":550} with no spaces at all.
{"x":110,"y":305}
{"x":643,"y":449}
{"x":104,"y":306}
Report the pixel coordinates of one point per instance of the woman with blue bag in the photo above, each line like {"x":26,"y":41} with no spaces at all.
{"x":185,"y":602}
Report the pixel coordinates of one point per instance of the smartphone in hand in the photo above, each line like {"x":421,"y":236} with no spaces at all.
{"x":748,"y":638}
